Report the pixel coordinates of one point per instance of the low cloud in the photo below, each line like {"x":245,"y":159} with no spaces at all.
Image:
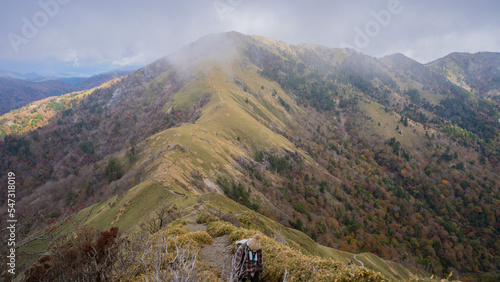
{"x":120,"y":33}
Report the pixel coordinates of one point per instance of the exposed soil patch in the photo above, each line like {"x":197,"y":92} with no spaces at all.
{"x":192,"y":218}
{"x":122,"y":210}
{"x":219,"y":255}
{"x":196,"y":227}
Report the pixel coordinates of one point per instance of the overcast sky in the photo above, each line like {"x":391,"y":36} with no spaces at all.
{"x":90,"y":36}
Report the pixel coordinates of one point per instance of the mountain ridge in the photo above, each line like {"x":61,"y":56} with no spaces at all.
{"x":333,"y":143}
{"x":17,"y":92}
{"x":477,"y":72}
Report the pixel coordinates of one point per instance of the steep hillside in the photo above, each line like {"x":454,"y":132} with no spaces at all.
{"x":360,"y":154}
{"x":224,"y":220}
{"x":465,"y":125}
{"x":15,"y":93}
{"x":479,"y":73}
{"x":38,"y":113}
{"x":99,"y":79}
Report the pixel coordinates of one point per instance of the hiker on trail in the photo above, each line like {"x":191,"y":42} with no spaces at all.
{"x":248,"y":260}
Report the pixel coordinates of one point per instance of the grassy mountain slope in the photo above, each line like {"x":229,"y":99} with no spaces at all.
{"x":132,"y":209}
{"x":476,"y":72}
{"x":361,"y":155}
{"x":132,"y":201}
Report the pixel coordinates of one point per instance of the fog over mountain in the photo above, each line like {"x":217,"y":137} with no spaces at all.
{"x":359,"y":139}
{"x":326,"y":152}
{"x":92,"y":37}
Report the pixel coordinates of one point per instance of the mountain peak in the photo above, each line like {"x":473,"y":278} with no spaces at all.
{"x":358,"y":153}
{"x":217,"y":46}
{"x":479,"y":72}
{"x":398,"y":59}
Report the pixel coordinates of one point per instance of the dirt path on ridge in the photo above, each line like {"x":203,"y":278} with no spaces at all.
{"x":219,"y":255}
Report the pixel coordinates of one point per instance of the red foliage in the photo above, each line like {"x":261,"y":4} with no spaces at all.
{"x":78,"y":260}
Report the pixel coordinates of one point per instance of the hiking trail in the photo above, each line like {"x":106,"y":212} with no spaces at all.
{"x":219,"y":254}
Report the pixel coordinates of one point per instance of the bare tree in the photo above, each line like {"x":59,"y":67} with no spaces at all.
{"x":82,"y":256}
{"x":279,"y":238}
{"x":67,"y":250}
{"x":160,"y":218}
{"x":37,"y":232}
{"x":169,"y":260}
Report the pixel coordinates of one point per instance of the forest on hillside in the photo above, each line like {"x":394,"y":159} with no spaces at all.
{"x":409,"y":174}
{"x":434,"y":205}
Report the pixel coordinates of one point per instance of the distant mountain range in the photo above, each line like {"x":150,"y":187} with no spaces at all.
{"x":353,"y":168}
{"x":33,"y":77}
{"x":17,"y":90}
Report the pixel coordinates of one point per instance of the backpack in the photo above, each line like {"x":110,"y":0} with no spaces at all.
{"x":241,"y":242}
{"x":252,"y":254}
{"x":238,"y":244}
